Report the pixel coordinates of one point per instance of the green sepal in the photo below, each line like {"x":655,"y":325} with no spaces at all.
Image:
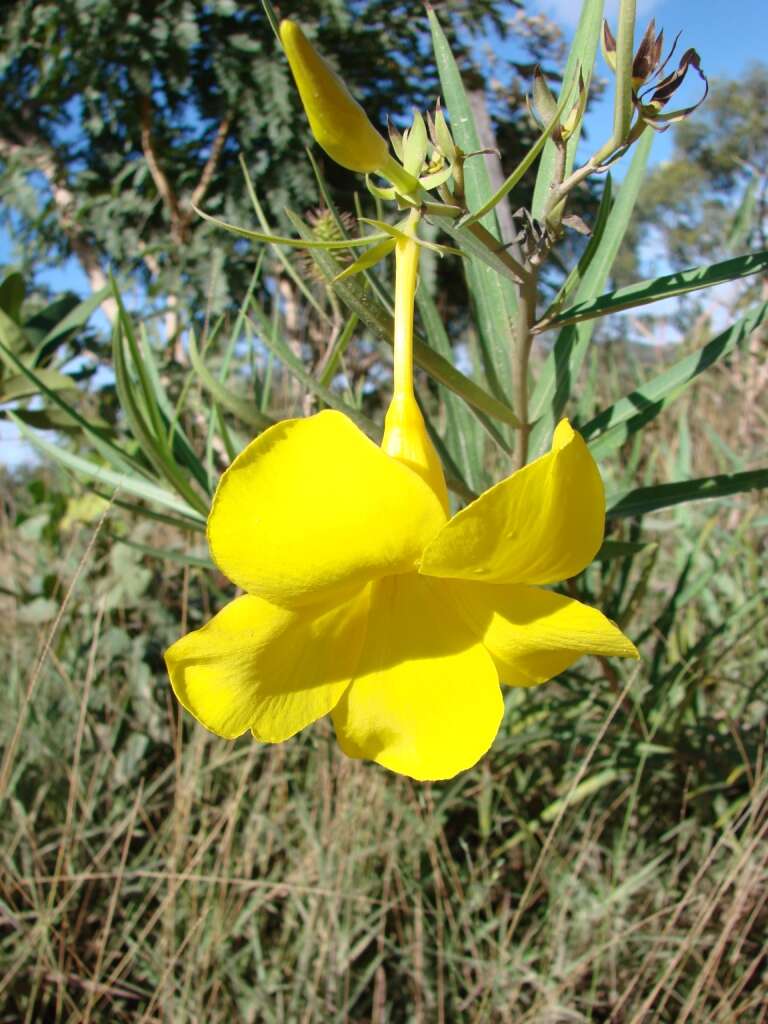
{"x":368,"y":259}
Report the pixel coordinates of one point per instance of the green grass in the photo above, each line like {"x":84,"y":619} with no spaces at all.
{"x":606,"y":863}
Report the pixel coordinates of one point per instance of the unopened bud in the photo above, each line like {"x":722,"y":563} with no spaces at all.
{"x":338,"y":122}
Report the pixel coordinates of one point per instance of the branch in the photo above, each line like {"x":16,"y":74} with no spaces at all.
{"x":158,"y":175}
{"x":210,"y":164}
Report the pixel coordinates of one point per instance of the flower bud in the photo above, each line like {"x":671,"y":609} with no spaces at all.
{"x":338,"y":122}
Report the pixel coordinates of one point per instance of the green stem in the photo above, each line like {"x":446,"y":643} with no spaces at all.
{"x":625,"y":46}
{"x":526,"y":317}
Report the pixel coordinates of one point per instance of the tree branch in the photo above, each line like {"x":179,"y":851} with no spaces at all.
{"x":158,"y":174}
{"x":210,"y":164}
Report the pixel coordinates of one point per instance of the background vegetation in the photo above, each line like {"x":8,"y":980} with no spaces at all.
{"x":607,"y":862}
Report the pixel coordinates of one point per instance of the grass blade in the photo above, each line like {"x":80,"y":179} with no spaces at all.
{"x":246,"y":411}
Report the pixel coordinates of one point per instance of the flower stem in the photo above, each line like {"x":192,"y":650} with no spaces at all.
{"x":406,"y":273}
{"x":405,"y":433}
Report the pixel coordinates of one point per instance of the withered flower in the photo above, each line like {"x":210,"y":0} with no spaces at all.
{"x":651,"y":92}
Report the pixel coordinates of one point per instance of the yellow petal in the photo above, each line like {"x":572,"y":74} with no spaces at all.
{"x":541,"y":525}
{"x":338,"y":122}
{"x":312,"y":508}
{"x":425,"y":700}
{"x":256,"y":666}
{"x":534,"y":634}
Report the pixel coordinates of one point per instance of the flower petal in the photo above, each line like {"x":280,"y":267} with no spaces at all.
{"x":313,"y":506}
{"x":534,"y":634}
{"x":425,"y":700}
{"x":260,"y":667}
{"x":540,"y":525}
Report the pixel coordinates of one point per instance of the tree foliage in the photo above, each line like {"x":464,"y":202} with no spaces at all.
{"x":119,"y":117}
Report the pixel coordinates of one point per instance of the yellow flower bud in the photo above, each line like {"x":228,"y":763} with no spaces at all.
{"x":338,"y":122}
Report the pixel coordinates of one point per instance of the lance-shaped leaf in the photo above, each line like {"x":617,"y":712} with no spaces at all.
{"x":651,"y":499}
{"x":645,"y":292}
{"x":126,"y":482}
{"x":19,"y":386}
{"x":494,"y":296}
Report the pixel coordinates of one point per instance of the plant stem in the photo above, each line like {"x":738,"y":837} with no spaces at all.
{"x":526,"y":317}
{"x":625,"y":45}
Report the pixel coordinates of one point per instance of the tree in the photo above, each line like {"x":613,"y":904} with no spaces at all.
{"x":119,"y":118}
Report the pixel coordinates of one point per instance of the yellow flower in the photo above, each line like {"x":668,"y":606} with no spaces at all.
{"x":338,"y":122}
{"x":363,"y":599}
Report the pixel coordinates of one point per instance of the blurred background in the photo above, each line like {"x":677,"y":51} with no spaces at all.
{"x":608,"y":860}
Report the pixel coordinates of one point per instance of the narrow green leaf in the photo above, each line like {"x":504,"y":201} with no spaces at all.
{"x":611,"y":549}
{"x":576,"y":276}
{"x":645,"y":292}
{"x":493,"y":296}
{"x":12,"y":291}
{"x":73,"y":321}
{"x":368,"y":259}
{"x":167,"y":554}
{"x":151,"y":437}
{"x":743,"y":220}
{"x":615,"y":424}
{"x":101,"y":474}
{"x":339,"y":348}
{"x":296,"y":243}
{"x":196,"y":525}
{"x":650,"y":499}
{"x":272,"y":18}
